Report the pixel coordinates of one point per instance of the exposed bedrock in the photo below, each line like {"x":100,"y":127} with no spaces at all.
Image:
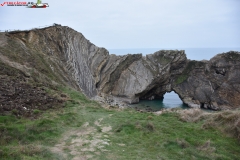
{"x":134,"y":77}
{"x":213,"y":84}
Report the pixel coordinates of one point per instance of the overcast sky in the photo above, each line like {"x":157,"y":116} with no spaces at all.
{"x":137,"y":23}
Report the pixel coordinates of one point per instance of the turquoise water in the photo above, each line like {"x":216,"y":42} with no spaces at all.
{"x":170,"y":100}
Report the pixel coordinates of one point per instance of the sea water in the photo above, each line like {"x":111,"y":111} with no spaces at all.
{"x":171,"y":100}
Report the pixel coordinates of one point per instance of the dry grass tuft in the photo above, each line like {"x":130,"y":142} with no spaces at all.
{"x":207,"y":147}
{"x":193,"y":115}
{"x":29,"y":149}
{"x":150,"y":126}
{"x":138,"y":126}
{"x":226,"y":121}
{"x":183,"y":143}
{"x":149,"y":118}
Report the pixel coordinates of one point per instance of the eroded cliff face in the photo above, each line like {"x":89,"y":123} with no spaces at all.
{"x":60,"y":55}
{"x":132,"y":77}
{"x":67,"y":54}
{"x":213,"y":84}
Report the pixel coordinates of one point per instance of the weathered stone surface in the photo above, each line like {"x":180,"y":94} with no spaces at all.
{"x":211,"y":84}
{"x":69,"y":58}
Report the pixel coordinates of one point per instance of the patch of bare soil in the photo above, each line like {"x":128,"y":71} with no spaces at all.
{"x":17,"y":96}
{"x":84,"y":143}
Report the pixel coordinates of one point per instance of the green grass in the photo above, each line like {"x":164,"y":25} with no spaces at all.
{"x":163,"y":140}
{"x":44,"y":131}
{"x":133,"y":136}
{"x":180,"y":79}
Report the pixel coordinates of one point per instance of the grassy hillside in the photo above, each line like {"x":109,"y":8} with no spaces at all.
{"x":83,"y":129}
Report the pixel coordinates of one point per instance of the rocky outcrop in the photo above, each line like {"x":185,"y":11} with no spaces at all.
{"x":213,"y":84}
{"x":60,"y":55}
{"x":132,"y":77}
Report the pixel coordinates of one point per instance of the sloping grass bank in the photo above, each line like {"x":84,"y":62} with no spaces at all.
{"x":132,"y":135}
{"x":226,"y":121}
{"x":22,"y":138}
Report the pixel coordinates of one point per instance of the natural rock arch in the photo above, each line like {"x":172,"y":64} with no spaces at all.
{"x":209,"y":84}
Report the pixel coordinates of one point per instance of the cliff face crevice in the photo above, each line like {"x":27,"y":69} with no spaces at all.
{"x":65,"y":56}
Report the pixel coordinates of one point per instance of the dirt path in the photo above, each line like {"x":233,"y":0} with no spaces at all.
{"x":83,"y":143}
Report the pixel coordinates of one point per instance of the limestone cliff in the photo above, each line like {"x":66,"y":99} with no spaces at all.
{"x":213,"y":84}
{"x":133,"y":77}
{"x":61,"y":55}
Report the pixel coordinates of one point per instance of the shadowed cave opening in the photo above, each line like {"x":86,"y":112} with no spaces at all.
{"x":170,"y":100}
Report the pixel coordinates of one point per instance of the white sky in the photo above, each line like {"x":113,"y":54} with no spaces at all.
{"x":137,"y":23}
